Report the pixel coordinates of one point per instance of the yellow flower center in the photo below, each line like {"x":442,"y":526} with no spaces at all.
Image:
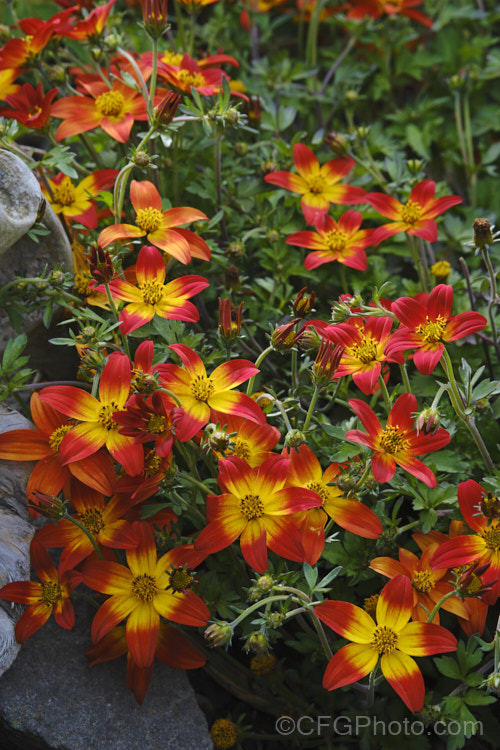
{"x":180,"y":579}
{"x":171,"y":58}
{"x":490,"y":506}
{"x":240,"y":449}
{"x":81,"y":283}
{"x":110,"y":104}
{"x":432,"y":330}
{"x":262,"y":664}
{"x":51,"y":593}
{"x":441,"y":269}
{"x":56,"y":437}
{"x":152,"y":464}
{"x":157,"y":424}
{"x":223,"y":734}
{"x":336,"y":239}
{"x":251,"y":506}
{"x":474,"y":586}
{"x":391,"y":441}
{"x":320,"y":488}
{"x":411,"y":213}
{"x":385,"y":640}
{"x":190,"y":79}
{"x":316,"y":184}
{"x":92,"y":520}
{"x":370,"y":604}
{"x":202,"y":387}
{"x":149,"y":219}
{"x":64,"y":193}
{"x":144,"y":587}
{"x":491,"y":536}
{"x":366,"y":352}
{"x":106,"y":416}
{"x":423,"y":581}
{"x":152,"y":292}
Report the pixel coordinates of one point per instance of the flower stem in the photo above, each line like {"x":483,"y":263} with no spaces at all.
{"x":439,"y":604}
{"x":88,"y":534}
{"x":312,"y":406}
{"x":385,"y":393}
{"x":258,"y":362}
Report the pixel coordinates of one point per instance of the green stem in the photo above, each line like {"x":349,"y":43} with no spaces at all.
{"x":152,"y":81}
{"x":112,"y":305}
{"x":312,"y":406}
{"x":295,"y":374}
{"x":439,"y":604}
{"x":283,"y":413}
{"x":88,"y":534}
{"x":405,"y":378}
{"x":363,"y":476}
{"x":408,"y":526}
{"x":470,"y":149}
{"x":218,"y":180}
{"x":171,"y":394}
{"x":257,"y":605}
{"x":415,"y":255}
{"x":493,"y":299}
{"x":385,"y":393}
{"x":258,"y":362}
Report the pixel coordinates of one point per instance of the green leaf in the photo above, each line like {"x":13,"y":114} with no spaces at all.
{"x":416,"y":141}
{"x":448,"y":667}
{"x":13,"y":350}
{"x":311,"y":575}
{"x":478,"y":698}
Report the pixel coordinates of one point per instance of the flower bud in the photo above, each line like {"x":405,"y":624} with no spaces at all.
{"x":273,"y":235}
{"x":101,"y":265}
{"x":229,"y":320}
{"x":265,"y":583}
{"x":326,"y":363}
{"x":253,"y":110}
{"x":232,"y":280}
{"x":482,"y":233}
{"x":337,"y":143}
{"x":256,"y":643}
{"x":294,"y":439}
{"x":154,"y":14}
{"x":268,"y":166}
{"x":141,"y":159}
{"x":275,"y":619}
{"x":48,"y":506}
{"x":303,"y":304}
{"x":236,"y":249}
{"x":340,"y":312}
{"x":164,"y":113}
{"x":309,"y":339}
{"x":428,"y":422}
{"x":441,"y":269}
{"x":284,"y":337}
{"x":218,"y":634}
{"x":241,"y":148}
{"x":57,"y":278}
{"x":415,"y":166}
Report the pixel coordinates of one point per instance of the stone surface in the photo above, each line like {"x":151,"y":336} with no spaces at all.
{"x":50,"y":698}
{"x":20,"y":197}
{"x":16,"y":533}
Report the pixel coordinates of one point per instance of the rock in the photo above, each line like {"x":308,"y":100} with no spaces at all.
{"x":16,"y":533}
{"x":51,"y":700}
{"x":20,"y":198}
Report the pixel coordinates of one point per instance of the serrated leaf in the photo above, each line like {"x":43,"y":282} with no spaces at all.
{"x":448,"y":667}
{"x":13,"y":350}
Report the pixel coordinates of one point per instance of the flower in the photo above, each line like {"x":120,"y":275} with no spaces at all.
{"x":114,"y":109}
{"x":97,"y":426}
{"x":145,"y":290}
{"x":140,"y":593}
{"x":92,"y":26}
{"x":326,"y":363}
{"x":253,"y":506}
{"x":150,"y":419}
{"x":103,"y":520}
{"x":391,"y":637}
{"x":251,"y":441}
{"x":76,"y":202}
{"x":414,"y":217}
{"x":30,"y":106}
{"x":53,"y":473}
{"x":223,"y":731}
{"x":190,"y":74}
{"x":157,"y":225}
{"x":427,"y":324}
{"x":375,"y":9}
{"x":480,"y":510}
{"x":397,"y":443}
{"x":155,"y":15}
{"x":317,"y":184}
{"x":427,"y":584}
{"x":229,"y":324}
{"x":305,"y":471}
{"x":340,"y":241}
{"x":441,"y":269}
{"x":51,"y":595}
{"x":199,"y":393}
{"x":364,"y":342}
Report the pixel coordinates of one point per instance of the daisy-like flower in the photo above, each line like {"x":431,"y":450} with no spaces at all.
{"x":390,"y":638}
{"x":158,"y":226}
{"x":199,"y":393}
{"x":427,"y":324}
{"x":150,"y":419}
{"x":147,"y":295}
{"x":77,"y":202}
{"x":341,"y":241}
{"x":30,"y":106}
{"x":92,"y":26}
{"x":114,"y":109}
{"x":318,"y":185}
{"x":141,"y":593}
{"x":481,"y":511}
{"x":190,"y":74}
{"x":416,"y":216}
{"x":376,"y":8}
{"x":52,"y":473}
{"x":240,"y":437}
{"x":22,"y":51}
{"x":305,"y":471}
{"x":428,"y":585}
{"x":97,"y":426}
{"x":254,"y":506}
{"x":398,"y":443}
{"x":103,"y":519}
{"x":51,"y":595}
{"x":365,"y":342}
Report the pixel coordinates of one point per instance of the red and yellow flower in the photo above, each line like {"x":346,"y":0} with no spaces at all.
{"x":92,"y":26}
{"x":427,"y":584}
{"x":51,"y":595}
{"x":158,"y":226}
{"x":150,"y":419}
{"x":142,"y":593}
{"x":112,"y":108}
{"x":7,"y":85}
{"x":365,"y":342}
{"x":391,"y":638}
{"x":52,"y":473}
{"x":30,"y":106}
{"x":427,"y":324}
{"x":254,"y":506}
{"x":416,"y":216}
{"x":96,"y":426}
{"x":147,"y":295}
{"x":251,"y":441}
{"x":341,"y":241}
{"x":398,"y":443}
{"x":376,"y":8}
{"x":199,"y":393}
{"x":190,"y":74}
{"x":318,"y":185}
{"x":481,"y":511}
{"x":305,"y":471}
{"x":77,"y":202}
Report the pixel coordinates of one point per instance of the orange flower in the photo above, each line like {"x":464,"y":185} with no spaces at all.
{"x":158,"y":226}
{"x":76,"y":202}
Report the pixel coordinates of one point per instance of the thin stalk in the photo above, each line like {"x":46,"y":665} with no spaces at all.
{"x":88,"y":534}
{"x":470,"y":148}
{"x":312,"y":406}
{"x":363,"y":476}
{"x":385,"y":393}
{"x":295,"y":373}
{"x":218,"y":180}
{"x":439,"y":604}
{"x":258,"y":362}
{"x":415,"y":255}
{"x":405,"y":378}
{"x":493,"y":298}
{"x":152,"y":81}
{"x":326,"y":80}
{"x":257,"y":605}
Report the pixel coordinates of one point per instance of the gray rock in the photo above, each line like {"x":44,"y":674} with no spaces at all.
{"x":20,"y":197}
{"x":51,"y":700}
{"x":16,"y":533}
